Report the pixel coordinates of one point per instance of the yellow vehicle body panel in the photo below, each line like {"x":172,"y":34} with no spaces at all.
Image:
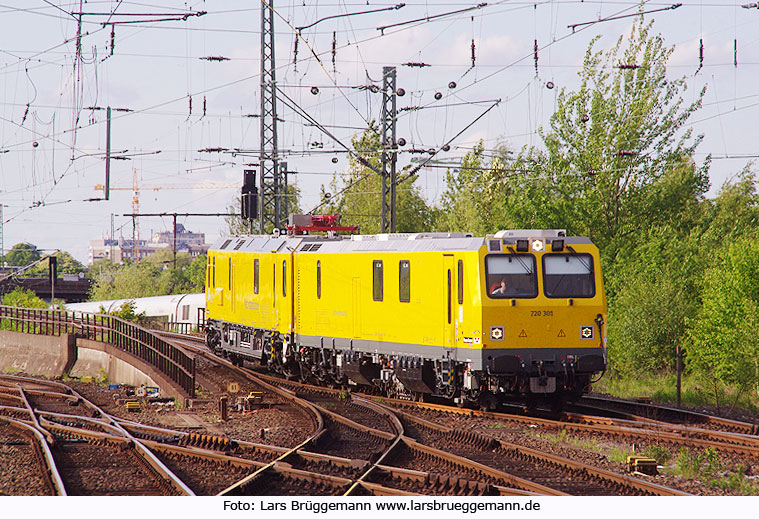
{"x":541,"y":321}
{"x":347,"y":306}
{"x":332,"y":296}
{"x":232,"y":294}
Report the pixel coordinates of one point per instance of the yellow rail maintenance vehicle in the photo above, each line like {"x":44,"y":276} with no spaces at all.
{"x":519,"y":315}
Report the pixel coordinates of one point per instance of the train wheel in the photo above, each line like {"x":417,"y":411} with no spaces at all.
{"x":487,"y":401}
{"x":558,"y":403}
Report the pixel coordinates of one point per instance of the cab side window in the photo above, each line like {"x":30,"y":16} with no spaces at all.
{"x":318,"y":280}
{"x":404,"y":281}
{"x":460,"y":279}
{"x":377,"y":280}
{"x":255,"y":276}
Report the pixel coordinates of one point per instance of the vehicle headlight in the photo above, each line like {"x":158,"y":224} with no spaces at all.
{"x":537,"y":245}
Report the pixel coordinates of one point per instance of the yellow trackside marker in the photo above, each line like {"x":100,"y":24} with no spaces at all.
{"x":561,"y":334}
{"x":233,"y":387}
{"x":523,"y":334}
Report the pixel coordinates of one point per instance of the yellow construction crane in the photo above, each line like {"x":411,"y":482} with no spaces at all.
{"x":135,"y":188}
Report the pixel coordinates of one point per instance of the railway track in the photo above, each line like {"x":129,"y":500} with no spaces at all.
{"x":565,"y":475}
{"x":516,"y":466}
{"x":26,"y":461}
{"x":636,"y":430}
{"x":670,"y":415}
{"x":352,"y":445}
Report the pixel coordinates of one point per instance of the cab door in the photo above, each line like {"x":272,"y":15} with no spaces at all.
{"x":448,"y":294}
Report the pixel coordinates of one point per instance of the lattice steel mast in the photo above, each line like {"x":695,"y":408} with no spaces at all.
{"x":389,"y":149}
{"x":272,"y":180}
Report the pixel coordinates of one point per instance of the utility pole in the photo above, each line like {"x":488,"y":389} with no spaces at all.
{"x":284,"y":204}
{"x":52,"y":274}
{"x":270,"y":181}
{"x":389,"y":150}
{"x":174,"y":216}
{"x":111,"y":246}
{"x":2,"y":249}
{"x":135,"y":215}
{"x":108,"y":154}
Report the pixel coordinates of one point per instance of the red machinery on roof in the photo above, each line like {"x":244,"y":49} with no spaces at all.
{"x":305,"y":223}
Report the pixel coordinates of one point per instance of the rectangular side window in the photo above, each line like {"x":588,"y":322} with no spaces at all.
{"x":318,"y":280}
{"x":255,"y":276}
{"x":208,"y":271}
{"x":461,"y":281}
{"x":404,"y":280}
{"x":213,"y":272}
{"x":449,"y":296}
{"x":377,"y":277}
{"x":284,"y":278}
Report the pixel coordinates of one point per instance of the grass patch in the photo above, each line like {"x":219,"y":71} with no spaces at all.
{"x":660,"y":453}
{"x":619,"y":454}
{"x":706,"y":467}
{"x":563,"y":438}
{"x":661,"y":388}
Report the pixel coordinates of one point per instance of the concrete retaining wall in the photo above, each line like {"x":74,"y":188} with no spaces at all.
{"x":36,"y":354}
{"x":96,"y":363}
{"x":56,"y":356}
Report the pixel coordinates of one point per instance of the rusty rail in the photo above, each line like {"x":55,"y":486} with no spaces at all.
{"x":139,"y":342}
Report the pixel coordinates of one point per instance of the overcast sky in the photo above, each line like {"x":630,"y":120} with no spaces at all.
{"x":53,"y":137}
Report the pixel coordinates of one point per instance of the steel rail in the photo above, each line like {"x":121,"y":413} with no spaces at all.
{"x":651,"y":430}
{"x":309,"y":408}
{"x":42,"y":447}
{"x":15,"y":380}
{"x":143,"y":455}
{"x":602,"y":474}
{"x":516,"y":481}
{"x":735,"y":425}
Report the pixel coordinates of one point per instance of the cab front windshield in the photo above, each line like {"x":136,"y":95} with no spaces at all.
{"x":568,"y":275}
{"x":511,"y":276}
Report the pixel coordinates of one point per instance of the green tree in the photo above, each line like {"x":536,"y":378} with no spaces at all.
{"x":127,"y":312}
{"x":735,"y":210}
{"x":358,"y":191}
{"x":24,"y":298}
{"x":153,"y":276}
{"x":67,"y":264}
{"x":658,"y":280}
{"x":22,"y":254}
{"x":195,"y":275}
{"x":658,"y":291}
{"x":723,"y":339}
{"x":618,"y":154}
{"x":129,"y":280}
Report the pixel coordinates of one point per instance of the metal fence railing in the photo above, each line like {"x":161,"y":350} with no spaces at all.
{"x":168,"y":359}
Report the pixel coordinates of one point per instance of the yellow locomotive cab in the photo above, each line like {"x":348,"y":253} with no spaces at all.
{"x":518,"y":314}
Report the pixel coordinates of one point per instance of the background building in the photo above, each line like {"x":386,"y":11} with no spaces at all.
{"x":121,"y":249}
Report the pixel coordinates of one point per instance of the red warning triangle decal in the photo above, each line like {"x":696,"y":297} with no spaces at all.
{"x":561,"y":334}
{"x":523,"y":334}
